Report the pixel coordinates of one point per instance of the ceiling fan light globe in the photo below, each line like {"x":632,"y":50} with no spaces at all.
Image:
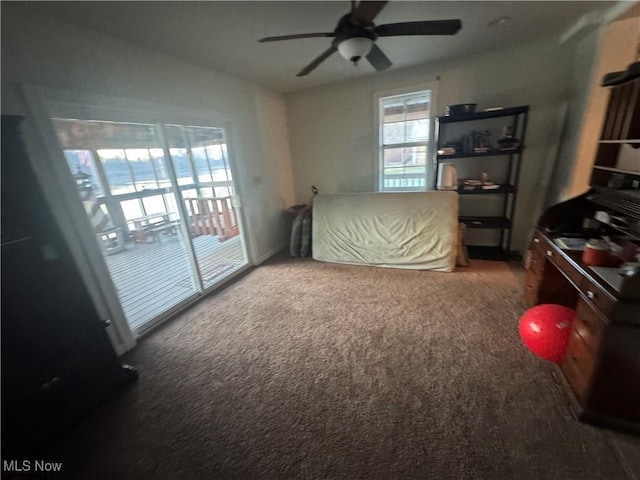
{"x":353,"y":49}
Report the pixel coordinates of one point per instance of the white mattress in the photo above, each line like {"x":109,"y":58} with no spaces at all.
{"x":397,"y":230}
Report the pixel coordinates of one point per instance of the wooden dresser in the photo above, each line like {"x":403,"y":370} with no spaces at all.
{"x":601,"y":366}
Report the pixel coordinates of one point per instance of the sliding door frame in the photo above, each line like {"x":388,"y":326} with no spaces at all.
{"x":61,"y":193}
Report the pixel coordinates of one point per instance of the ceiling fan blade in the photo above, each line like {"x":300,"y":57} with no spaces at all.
{"x":428,"y":27}
{"x":297,"y":35}
{"x":326,"y":54}
{"x":366,"y":11}
{"x":378,"y":59}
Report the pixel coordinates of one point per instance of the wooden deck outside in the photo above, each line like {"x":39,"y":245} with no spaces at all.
{"x":151,"y":278}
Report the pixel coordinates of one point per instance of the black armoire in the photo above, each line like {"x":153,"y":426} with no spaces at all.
{"x":57,"y":360}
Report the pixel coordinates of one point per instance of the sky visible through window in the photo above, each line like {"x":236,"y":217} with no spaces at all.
{"x":199,"y":156}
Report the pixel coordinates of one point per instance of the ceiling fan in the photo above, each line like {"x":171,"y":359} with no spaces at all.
{"x":355,"y":35}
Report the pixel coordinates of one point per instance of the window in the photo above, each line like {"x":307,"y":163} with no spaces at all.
{"x":210,"y":160}
{"x":404,"y":141}
{"x":83,"y":162}
{"x":131,"y":172}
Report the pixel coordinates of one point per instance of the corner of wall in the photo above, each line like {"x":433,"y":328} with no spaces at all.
{"x":610,"y":47}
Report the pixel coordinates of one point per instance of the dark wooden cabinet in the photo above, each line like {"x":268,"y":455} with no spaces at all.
{"x":601,"y":365}
{"x":57,"y":361}
{"x":617,"y":162}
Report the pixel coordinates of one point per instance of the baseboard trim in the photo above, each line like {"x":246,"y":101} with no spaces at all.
{"x":266,"y":256}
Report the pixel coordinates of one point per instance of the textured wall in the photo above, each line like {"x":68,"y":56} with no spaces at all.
{"x":332,"y":131}
{"x":45,"y":52}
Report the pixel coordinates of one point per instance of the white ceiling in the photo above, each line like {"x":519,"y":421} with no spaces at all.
{"x":223,"y":34}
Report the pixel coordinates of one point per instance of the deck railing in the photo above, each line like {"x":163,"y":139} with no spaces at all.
{"x":213,"y":216}
{"x":409,"y":181}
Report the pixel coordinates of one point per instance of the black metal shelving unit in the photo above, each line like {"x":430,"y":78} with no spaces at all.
{"x":507,"y":187}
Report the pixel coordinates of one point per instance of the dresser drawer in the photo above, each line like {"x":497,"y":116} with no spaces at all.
{"x":538,"y":240}
{"x":578,"y":365}
{"x":588,"y":324}
{"x":536,"y":261}
{"x":567,"y":268}
{"x":598,"y":297}
{"x":531,"y":283}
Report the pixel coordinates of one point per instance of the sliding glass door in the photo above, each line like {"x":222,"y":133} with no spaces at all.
{"x":162,"y":204}
{"x":212,"y":211}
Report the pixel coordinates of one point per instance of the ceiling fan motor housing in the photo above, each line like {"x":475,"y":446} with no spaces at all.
{"x":363,"y":36}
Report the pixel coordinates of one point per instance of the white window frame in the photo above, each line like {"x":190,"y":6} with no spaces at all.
{"x":430,"y":143}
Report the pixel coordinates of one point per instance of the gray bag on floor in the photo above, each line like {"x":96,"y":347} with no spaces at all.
{"x":300,"y":244}
{"x":305,"y":248}
{"x":296,"y":235}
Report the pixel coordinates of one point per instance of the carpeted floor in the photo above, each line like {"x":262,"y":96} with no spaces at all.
{"x":312,"y":370}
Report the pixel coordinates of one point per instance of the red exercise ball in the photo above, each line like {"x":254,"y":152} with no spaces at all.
{"x":545,"y":330}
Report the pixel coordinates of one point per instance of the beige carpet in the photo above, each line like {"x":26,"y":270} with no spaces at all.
{"x":311,"y":370}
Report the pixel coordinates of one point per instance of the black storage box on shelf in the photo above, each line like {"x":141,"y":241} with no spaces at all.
{"x":453,"y":110}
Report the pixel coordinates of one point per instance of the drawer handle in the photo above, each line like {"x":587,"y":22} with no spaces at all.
{"x":591,"y":294}
{"x":549,"y":253}
{"x":536,"y":240}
